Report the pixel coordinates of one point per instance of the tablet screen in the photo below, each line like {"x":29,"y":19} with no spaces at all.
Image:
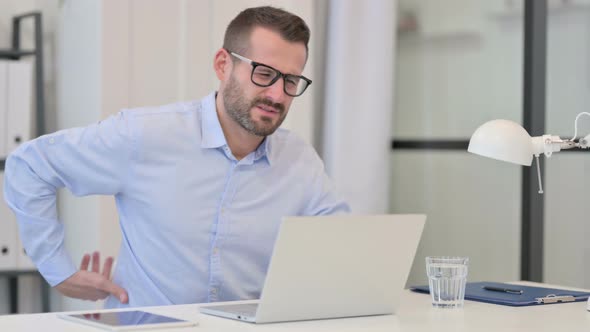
{"x":126,"y":318}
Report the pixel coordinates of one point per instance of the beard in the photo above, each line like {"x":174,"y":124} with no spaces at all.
{"x":240,"y":110}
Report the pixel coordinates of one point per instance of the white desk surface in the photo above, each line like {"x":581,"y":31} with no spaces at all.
{"x":415,"y":314}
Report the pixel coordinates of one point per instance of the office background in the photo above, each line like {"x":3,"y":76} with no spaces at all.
{"x":383,"y":71}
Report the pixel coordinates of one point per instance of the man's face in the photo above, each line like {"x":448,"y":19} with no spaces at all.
{"x":261,"y":110}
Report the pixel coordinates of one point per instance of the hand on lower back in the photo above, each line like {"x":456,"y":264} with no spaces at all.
{"x":92,"y":284}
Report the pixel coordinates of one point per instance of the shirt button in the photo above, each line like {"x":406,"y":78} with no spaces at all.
{"x":213,"y":290}
{"x":215,"y":251}
{"x":51,"y":140}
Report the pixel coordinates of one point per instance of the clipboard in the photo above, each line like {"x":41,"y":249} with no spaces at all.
{"x":530,"y":295}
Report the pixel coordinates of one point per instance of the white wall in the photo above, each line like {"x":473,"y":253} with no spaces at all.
{"x":164,"y":51}
{"x":359,"y":101}
{"x":79,"y":103}
{"x":455,"y":74}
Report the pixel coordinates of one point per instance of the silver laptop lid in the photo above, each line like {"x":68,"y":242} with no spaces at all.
{"x":339,"y":266}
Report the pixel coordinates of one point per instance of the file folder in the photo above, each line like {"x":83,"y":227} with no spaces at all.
{"x":23,"y":261}
{"x":531,"y":295}
{"x":19,"y":115}
{"x":3,"y":106}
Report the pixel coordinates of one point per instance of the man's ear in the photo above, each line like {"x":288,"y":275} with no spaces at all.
{"x":222,"y":64}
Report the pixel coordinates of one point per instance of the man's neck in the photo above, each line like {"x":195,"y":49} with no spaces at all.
{"x":240,"y":141}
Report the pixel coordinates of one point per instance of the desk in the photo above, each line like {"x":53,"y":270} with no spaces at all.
{"x":414,"y":315}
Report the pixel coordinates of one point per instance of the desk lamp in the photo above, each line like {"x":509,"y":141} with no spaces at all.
{"x":508,"y":141}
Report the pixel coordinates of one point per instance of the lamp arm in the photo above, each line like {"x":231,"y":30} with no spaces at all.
{"x":547,"y":144}
{"x":576,"y":125}
{"x":566,"y":145}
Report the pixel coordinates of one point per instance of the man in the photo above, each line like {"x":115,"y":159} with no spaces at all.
{"x":200,"y":187}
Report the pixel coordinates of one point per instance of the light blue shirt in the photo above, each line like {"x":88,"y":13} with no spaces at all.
{"x":197,"y":224}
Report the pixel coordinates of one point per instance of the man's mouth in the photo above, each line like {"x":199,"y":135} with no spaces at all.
{"x":267,"y":109}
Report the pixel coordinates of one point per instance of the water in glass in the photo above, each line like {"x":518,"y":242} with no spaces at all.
{"x":447,"y":278}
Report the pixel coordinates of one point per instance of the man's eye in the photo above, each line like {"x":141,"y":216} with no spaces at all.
{"x":264,"y":72}
{"x":292,"y":81}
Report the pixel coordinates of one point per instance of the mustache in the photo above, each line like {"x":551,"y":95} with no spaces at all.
{"x":268,"y":102}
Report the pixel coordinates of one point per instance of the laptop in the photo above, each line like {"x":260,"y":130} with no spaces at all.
{"x":332,"y":267}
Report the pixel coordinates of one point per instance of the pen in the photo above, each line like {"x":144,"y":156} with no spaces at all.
{"x":504,"y":290}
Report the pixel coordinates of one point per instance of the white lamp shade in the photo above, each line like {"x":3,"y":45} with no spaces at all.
{"x":503,"y":140}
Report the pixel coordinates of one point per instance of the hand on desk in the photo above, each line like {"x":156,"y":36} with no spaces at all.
{"x":92,"y":285}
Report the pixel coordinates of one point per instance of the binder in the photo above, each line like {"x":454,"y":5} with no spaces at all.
{"x":3,"y":106}
{"x":19,"y":115}
{"x":23,"y":261}
{"x":531,"y":295}
{"x":8,"y":230}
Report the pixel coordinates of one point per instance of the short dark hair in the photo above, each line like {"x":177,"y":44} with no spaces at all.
{"x":290,"y":26}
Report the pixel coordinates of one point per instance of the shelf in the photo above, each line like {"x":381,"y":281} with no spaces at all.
{"x":14,"y":55}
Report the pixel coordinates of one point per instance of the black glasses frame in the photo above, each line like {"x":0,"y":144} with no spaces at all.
{"x":255,"y":64}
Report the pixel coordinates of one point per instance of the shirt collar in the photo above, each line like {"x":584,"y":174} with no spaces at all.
{"x":212,"y":133}
{"x":264,"y":150}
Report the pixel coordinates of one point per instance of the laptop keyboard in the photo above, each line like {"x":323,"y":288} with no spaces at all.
{"x":247,"y":309}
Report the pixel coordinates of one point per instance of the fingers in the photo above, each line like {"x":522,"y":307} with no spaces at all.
{"x":106,"y":269}
{"x":89,"y":285}
{"x":116,"y":291}
{"x":95,"y":258}
{"x":96,"y":262}
{"x":85,"y":262}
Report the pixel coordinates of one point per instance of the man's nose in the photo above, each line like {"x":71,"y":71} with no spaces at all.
{"x":276,"y":92}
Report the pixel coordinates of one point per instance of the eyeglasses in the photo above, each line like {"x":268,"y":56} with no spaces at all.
{"x":263,"y":76}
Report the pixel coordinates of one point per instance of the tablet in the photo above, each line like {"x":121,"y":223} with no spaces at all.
{"x":126,"y":320}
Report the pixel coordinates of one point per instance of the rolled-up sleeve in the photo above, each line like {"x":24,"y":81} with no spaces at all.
{"x":86,"y":161}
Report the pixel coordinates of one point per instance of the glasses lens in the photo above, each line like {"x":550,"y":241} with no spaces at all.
{"x":294,"y":85}
{"x":263,"y":75}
